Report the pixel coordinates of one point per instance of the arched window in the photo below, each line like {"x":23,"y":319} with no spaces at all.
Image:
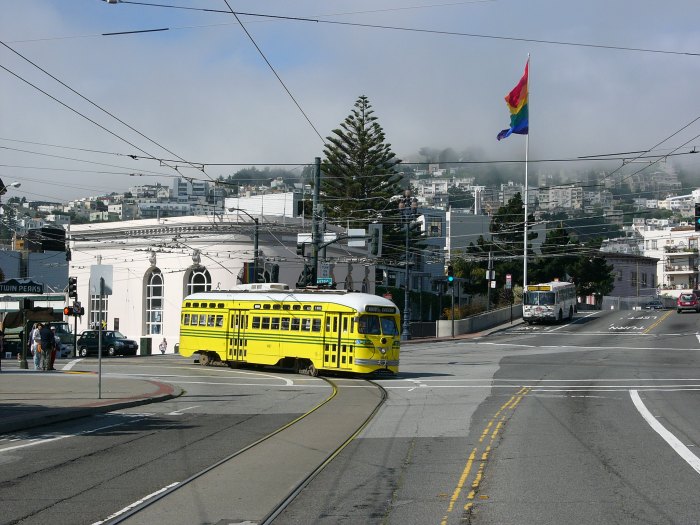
{"x":154,"y":302}
{"x":199,"y":281}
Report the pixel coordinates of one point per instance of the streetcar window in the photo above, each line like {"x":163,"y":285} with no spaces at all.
{"x":186,"y":319}
{"x":328,"y":324}
{"x":210,"y":320}
{"x":306,"y":325}
{"x":256,"y":307}
{"x":285,"y":323}
{"x":220,"y":305}
{"x":265,"y":323}
{"x":212,"y":305}
{"x":219,"y":320}
{"x":296,"y":307}
{"x":203,"y":305}
{"x":389,"y":326}
{"x":318,"y":308}
{"x":285,"y":307}
{"x":335,"y":324}
{"x":295,"y":324}
{"x":275,"y":323}
{"x":266,"y":307}
{"x":256,"y":322}
{"x":187,"y":305}
{"x":368,"y":324}
{"x":345,"y":324}
{"x":307,"y":307}
{"x":275,"y":307}
{"x":193,"y":321}
{"x":234,"y":321}
{"x":202,"y":319}
{"x":195,"y":305}
{"x":316,"y":325}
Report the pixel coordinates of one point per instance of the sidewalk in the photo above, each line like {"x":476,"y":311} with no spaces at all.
{"x":29,"y":398}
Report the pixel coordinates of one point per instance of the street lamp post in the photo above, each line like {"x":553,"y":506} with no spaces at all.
{"x":409,"y":211}
{"x":256,"y":237}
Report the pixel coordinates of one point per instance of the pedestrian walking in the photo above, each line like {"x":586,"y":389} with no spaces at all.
{"x":47,"y":347}
{"x":56,"y":347}
{"x":163,"y":346}
{"x":34,"y":342}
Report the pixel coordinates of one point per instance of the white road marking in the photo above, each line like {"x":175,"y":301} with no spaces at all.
{"x":40,"y":441}
{"x":180,"y":411}
{"x":135,"y":503}
{"x":71,"y":364}
{"x":672,"y":440}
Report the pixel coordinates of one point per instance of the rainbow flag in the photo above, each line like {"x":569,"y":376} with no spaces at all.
{"x":517,"y":104}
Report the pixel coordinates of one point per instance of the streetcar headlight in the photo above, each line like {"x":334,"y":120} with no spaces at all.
{"x":382,"y":350}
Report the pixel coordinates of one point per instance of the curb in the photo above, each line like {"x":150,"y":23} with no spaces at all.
{"x":59,"y":415}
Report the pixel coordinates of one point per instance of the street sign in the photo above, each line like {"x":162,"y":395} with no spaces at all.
{"x":509,"y":281}
{"x":324,"y":280}
{"x":356,"y":232}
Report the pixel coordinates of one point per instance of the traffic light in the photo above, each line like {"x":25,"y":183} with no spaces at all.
{"x":450,"y":275}
{"x":300,"y":248}
{"x":374,"y":243}
{"x":67,"y":311}
{"x":697,"y":217}
{"x":275,"y":273}
{"x":72,"y":287}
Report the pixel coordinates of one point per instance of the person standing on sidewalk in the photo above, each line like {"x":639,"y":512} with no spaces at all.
{"x":56,"y":347}
{"x":163,"y":346}
{"x":48,"y":345}
{"x":34,"y":341}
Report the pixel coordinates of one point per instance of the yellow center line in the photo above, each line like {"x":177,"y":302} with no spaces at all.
{"x":508,"y":405}
{"x":657,"y":323}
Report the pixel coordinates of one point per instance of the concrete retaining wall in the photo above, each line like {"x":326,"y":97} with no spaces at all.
{"x":477,"y":323}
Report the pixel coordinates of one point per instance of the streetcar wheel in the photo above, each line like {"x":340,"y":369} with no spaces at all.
{"x":313,"y":371}
{"x":204,"y":359}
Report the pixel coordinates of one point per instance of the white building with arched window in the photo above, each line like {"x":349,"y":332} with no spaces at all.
{"x":157,"y":262}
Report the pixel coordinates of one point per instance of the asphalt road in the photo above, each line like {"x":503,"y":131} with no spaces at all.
{"x":531,"y":425}
{"x":590,"y":422}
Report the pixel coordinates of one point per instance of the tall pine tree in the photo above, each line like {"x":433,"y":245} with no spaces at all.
{"x":359,"y":176}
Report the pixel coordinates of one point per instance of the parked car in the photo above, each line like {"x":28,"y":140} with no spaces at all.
{"x":688,"y":301}
{"x":113,"y":343}
{"x":654,"y":305}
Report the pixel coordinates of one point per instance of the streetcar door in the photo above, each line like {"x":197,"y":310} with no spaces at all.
{"x":331,"y":340}
{"x":236,"y":336}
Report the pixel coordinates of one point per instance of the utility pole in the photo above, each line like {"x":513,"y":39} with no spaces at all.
{"x":315,"y":222}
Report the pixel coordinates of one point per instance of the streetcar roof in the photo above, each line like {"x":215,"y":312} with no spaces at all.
{"x":356,"y":300}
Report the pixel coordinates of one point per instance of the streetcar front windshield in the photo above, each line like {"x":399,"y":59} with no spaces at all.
{"x":389,"y":326}
{"x":369,"y":324}
{"x":540,"y":298}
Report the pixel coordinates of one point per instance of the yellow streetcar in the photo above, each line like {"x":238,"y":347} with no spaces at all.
{"x":312,"y":330}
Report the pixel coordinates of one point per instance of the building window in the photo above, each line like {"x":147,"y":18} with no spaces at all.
{"x":654,"y":244}
{"x":95,"y":311}
{"x":199,"y":281}
{"x":154,"y":303}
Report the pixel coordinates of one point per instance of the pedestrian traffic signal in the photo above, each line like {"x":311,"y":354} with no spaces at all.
{"x":72,"y":287}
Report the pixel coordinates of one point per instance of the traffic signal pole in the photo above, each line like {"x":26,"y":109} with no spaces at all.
{"x":315,"y":221}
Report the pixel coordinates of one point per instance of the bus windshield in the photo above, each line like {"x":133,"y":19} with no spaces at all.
{"x":375,"y":325}
{"x":539,"y":298}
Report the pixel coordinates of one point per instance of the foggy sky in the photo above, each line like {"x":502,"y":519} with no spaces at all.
{"x":203,"y":91}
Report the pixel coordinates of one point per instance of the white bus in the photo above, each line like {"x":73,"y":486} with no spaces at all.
{"x":553,"y":301}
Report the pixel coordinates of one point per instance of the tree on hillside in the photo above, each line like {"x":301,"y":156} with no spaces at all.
{"x":593,"y":276}
{"x":359,"y":175}
{"x":559,"y":253}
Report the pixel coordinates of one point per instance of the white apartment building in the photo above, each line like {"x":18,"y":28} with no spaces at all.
{"x":677,"y":251}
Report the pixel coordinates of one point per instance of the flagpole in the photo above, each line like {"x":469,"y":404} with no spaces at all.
{"x":527,"y":151}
